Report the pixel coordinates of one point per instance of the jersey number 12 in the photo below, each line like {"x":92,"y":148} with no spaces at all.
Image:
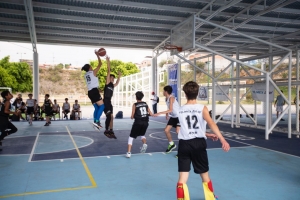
{"x":195,"y":121}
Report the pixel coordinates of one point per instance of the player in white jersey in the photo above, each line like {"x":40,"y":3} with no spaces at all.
{"x":30,"y":103}
{"x":193,"y":118}
{"x":92,"y":83}
{"x":171,"y":114}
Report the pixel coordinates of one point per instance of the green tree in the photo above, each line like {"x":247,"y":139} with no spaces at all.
{"x":7,"y":80}
{"x":19,"y":74}
{"x":116,"y":66}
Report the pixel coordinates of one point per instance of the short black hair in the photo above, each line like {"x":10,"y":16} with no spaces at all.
{"x":86,"y":67}
{"x":29,"y":94}
{"x":168,"y":89}
{"x":47,"y":95}
{"x":4,"y":93}
{"x":191,"y":90}
{"x":139,"y":95}
{"x":112,"y":76}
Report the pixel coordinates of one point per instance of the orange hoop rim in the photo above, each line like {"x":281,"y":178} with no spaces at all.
{"x":170,"y":47}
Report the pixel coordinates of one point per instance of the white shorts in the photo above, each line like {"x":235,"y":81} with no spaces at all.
{"x":279,"y":108}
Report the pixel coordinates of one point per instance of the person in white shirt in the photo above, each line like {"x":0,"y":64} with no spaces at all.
{"x":76,"y":108}
{"x":154,"y":102}
{"x":55,"y":107}
{"x":171,"y":115}
{"x":66,"y":108}
{"x":92,"y":83}
{"x":192,"y":136}
{"x":30,"y":103}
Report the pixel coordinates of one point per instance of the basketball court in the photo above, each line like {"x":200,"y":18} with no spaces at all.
{"x":70,"y":160}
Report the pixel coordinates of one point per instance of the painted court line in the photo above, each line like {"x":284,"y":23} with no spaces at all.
{"x":63,"y":189}
{"x":33,"y":148}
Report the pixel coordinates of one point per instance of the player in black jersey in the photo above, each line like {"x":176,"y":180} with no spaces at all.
{"x":48,"y":109}
{"x":108,"y":93}
{"x":6,"y":127}
{"x":140,"y":114}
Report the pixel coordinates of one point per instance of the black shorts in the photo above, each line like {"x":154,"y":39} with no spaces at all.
{"x":173,"y":122}
{"x":30,"y":110}
{"x":94,"y":95}
{"x":67,"y":111}
{"x":108,"y":108}
{"x":192,"y":151}
{"x":48,"y":112}
{"x":139,"y":129}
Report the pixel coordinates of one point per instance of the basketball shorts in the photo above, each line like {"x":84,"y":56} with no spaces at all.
{"x":173,"y":122}
{"x":108,"y":108}
{"x":139,"y":129}
{"x":192,"y":151}
{"x":94,"y":95}
{"x":30,"y":110}
{"x":48,"y":112}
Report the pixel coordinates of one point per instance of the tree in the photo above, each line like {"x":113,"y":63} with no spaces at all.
{"x":169,"y":61}
{"x":116,"y":66}
{"x":18,"y":74}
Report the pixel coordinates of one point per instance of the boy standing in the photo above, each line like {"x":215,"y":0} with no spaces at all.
{"x":140,"y":114}
{"x":193,"y":118}
{"x":30,"y":108}
{"x":171,"y":114}
{"x":48,"y":109}
{"x":279,"y":103}
{"x":6,"y":127}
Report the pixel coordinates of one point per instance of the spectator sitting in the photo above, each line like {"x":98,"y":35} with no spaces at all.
{"x":55,"y":107}
{"x":66,"y":108}
{"x":20,"y":105}
{"x":19,"y":97}
{"x":76,"y":108}
{"x":37,"y":110}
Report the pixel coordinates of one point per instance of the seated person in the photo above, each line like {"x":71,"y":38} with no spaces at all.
{"x":20,"y":105}
{"x":76,"y":108}
{"x":66,"y":108}
{"x":55,"y":108}
{"x":19,"y":97}
{"x":37,"y":111}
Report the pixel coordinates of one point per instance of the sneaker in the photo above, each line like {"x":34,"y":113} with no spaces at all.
{"x":49,"y":122}
{"x":170,"y":148}
{"x":144,"y":148}
{"x":46,"y":124}
{"x":97,"y":125}
{"x":112,"y":135}
{"x":107,"y":133}
{"x":176,"y":156}
{"x":128,"y":155}
{"x":282,"y":120}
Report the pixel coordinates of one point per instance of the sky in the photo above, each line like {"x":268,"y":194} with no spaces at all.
{"x":75,"y":55}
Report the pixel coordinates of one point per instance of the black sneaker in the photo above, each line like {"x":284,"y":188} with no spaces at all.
{"x":107,"y":133}
{"x":170,"y":148}
{"x":46,"y":124}
{"x":112,"y":134}
{"x":282,"y":120}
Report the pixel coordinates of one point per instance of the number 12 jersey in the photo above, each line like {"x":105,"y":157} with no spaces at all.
{"x":192,"y":123}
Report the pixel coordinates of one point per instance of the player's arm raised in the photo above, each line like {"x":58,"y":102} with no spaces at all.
{"x":118,"y":80}
{"x":215,"y":129}
{"x":108,"y":70}
{"x":95,"y":71}
{"x":133,"y":111}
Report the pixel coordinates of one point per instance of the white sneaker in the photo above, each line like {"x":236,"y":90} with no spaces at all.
{"x":144,"y":148}
{"x":128,"y":155}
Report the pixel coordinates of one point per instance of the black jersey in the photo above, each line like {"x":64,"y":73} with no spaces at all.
{"x":47,"y":104}
{"x":2,"y":109}
{"x":141,"y":111}
{"x":108,"y":91}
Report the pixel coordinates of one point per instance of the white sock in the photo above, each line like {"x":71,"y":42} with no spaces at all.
{"x":171,"y":143}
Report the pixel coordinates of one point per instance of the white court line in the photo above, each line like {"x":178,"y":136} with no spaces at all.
{"x":14,"y":155}
{"x":33,"y":148}
{"x":263,"y":148}
{"x":123,"y":155}
{"x":158,"y":122}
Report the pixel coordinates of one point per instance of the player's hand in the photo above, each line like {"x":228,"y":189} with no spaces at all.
{"x":212,"y":136}
{"x":155,"y":115}
{"x":167,"y":117}
{"x":120,"y":73}
{"x":96,"y":52}
{"x":225,"y":145}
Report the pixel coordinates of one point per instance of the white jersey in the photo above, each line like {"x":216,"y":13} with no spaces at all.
{"x":192,"y":123}
{"x":76,"y":107}
{"x":175,"y":107}
{"x":30,"y":102}
{"x":66,"y":106}
{"x":91,"y":80}
{"x":55,"y":106}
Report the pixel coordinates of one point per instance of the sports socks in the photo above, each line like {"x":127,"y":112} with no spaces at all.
{"x":208,"y":191}
{"x":98,"y":112}
{"x":95,"y":111}
{"x":182,"y":192}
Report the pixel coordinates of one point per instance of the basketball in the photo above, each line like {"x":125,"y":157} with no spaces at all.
{"x":101,"y":52}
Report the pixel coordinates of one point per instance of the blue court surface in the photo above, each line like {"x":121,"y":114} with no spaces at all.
{"x":71,"y":160}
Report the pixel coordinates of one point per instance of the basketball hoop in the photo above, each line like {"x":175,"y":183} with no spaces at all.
{"x":172,"y":47}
